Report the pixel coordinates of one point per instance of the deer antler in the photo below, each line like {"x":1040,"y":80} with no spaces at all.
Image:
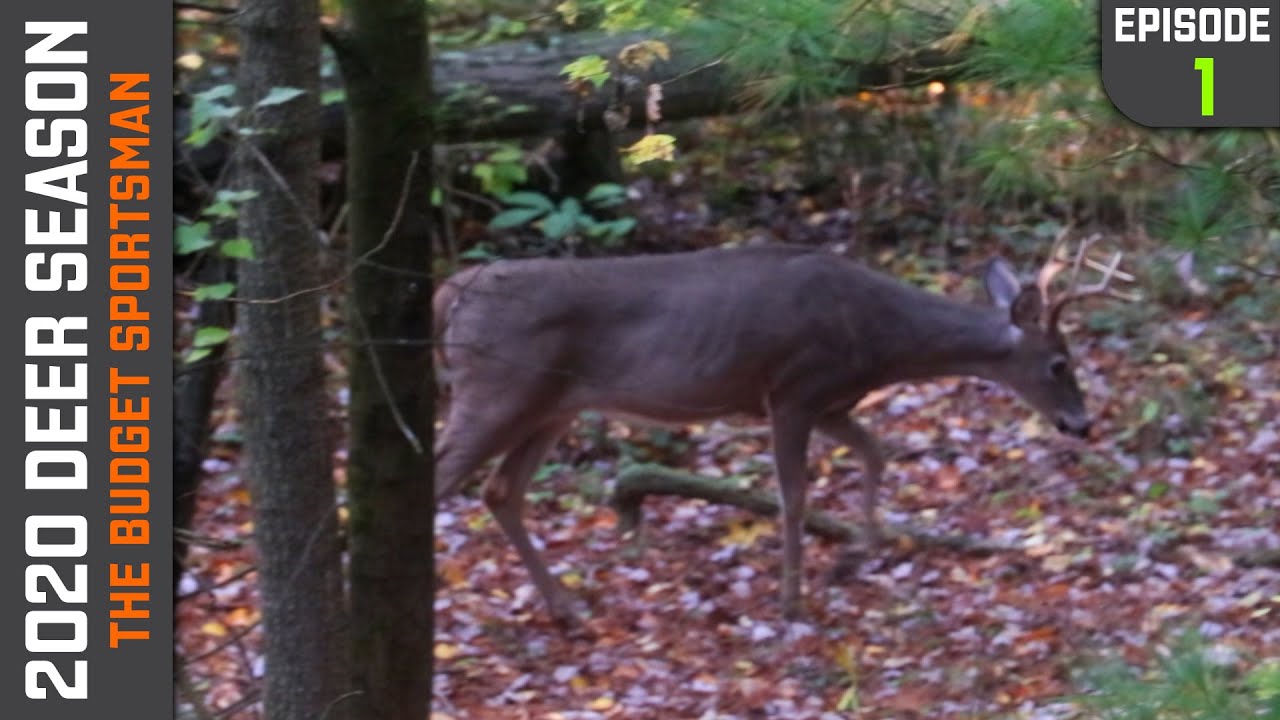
{"x":1074,"y":292}
{"x":1052,"y":266}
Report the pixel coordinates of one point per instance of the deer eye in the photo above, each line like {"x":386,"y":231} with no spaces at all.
{"x":1058,"y":368}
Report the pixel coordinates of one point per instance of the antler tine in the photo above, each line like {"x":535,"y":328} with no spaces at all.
{"x":1081,"y":254}
{"x":1052,"y":265}
{"x":1110,"y":271}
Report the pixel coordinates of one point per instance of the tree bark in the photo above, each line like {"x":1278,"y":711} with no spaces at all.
{"x":281,"y":380}
{"x":389,"y":471}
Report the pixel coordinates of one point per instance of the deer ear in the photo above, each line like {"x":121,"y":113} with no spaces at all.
{"x":1027,"y":307}
{"x":1002,"y":282}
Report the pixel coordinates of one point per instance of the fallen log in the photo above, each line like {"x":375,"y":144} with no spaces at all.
{"x":637,"y":482}
{"x":515,"y":89}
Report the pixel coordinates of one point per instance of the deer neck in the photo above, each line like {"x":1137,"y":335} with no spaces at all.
{"x":939,"y":337}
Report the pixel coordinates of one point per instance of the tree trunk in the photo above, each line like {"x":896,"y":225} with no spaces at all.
{"x":194,"y":386}
{"x":389,"y":471}
{"x":281,"y":380}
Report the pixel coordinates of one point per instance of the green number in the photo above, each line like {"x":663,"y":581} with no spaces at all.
{"x":1205,"y":66}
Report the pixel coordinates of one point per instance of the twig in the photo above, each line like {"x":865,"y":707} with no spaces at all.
{"x":246,"y":570}
{"x":381,"y":377}
{"x":338,"y":701}
{"x":382,"y":244}
{"x":209,"y":542}
{"x":202,"y":7}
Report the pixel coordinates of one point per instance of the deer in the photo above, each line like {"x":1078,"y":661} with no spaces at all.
{"x":791,"y":336}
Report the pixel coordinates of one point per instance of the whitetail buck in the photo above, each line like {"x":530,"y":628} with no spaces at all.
{"x":797,"y":336}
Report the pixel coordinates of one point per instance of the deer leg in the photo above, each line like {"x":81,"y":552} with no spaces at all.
{"x":790,"y":447}
{"x":847,"y":431}
{"x":504,"y":494}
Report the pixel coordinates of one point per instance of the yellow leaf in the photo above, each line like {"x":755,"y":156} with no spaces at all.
{"x":578,"y":683}
{"x":189,"y":61}
{"x":600,"y":704}
{"x":445,"y":651}
{"x":214,"y":628}
{"x":651,"y":147}
{"x":644,"y":54}
{"x":242,"y":617}
{"x":569,"y":10}
{"x":453,"y":573}
{"x":572,"y":579}
{"x":745,"y":533}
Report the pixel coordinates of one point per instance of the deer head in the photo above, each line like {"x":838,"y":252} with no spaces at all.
{"x":1038,"y":365}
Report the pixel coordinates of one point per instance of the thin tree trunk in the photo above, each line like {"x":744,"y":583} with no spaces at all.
{"x":389,"y":471}
{"x":194,"y":386}
{"x":281,"y":380}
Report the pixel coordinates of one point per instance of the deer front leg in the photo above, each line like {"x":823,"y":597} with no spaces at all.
{"x":847,"y":431}
{"x":790,"y":445}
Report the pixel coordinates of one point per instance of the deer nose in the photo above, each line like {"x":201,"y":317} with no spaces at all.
{"x":1079,"y":428}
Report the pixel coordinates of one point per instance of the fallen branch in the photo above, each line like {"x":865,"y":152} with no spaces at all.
{"x":637,"y":482}
{"x":640,"y":481}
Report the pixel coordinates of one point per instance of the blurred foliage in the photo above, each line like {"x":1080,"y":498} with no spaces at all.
{"x":1191,"y":680}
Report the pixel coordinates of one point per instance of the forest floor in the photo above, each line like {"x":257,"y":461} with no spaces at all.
{"x":1117,"y":544}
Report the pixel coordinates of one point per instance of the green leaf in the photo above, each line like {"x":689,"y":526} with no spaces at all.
{"x":528,"y":199}
{"x":572,"y":208}
{"x":514,"y":217}
{"x":201,"y":136}
{"x":220,"y":209}
{"x":196,"y":354}
{"x":280,"y":95}
{"x":558,"y":224}
{"x":236,"y":196}
{"x":219,"y":291}
{"x":1150,"y":411}
{"x":621,"y":226}
{"x":217,"y":92}
{"x":192,"y":238}
{"x":606,"y":195}
{"x":210,"y":336}
{"x":591,"y":68}
{"x":239,"y":248}
{"x":479,"y":252}
{"x":332,"y":97}
{"x":507,"y":154}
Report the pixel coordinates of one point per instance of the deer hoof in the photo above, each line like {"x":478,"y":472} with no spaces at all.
{"x":563,"y":613}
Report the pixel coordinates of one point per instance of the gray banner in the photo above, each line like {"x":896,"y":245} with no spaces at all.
{"x":88,"y":508}
{"x":1193,"y":64}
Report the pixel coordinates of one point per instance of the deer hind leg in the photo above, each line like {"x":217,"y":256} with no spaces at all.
{"x":504,"y":494}
{"x":847,"y":431}
{"x":478,"y":428}
{"x":790,"y":448}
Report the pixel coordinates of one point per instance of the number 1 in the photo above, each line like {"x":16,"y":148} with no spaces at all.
{"x":1205,"y":66}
